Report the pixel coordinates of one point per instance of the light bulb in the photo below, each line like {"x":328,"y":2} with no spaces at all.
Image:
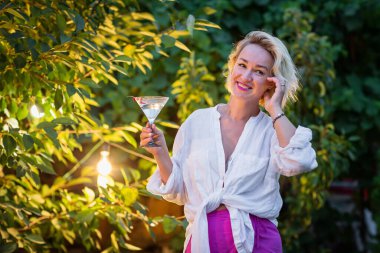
{"x":104,"y":166}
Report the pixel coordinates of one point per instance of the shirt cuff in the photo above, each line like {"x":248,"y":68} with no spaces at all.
{"x":156,"y":186}
{"x":300,"y":139}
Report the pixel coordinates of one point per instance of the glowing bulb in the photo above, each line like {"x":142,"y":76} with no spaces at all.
{"x":35,"y":112}
{"x":104,"y":166}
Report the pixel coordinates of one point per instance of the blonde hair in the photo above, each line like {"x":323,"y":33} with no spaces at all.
{"x":283,"y":67}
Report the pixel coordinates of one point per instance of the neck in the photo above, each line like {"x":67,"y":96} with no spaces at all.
{"x":241,"y":110}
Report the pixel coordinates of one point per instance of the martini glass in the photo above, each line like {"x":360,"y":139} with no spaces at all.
{"x":151,"y":106}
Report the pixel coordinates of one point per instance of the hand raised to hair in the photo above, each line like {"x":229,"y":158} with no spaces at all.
{"x":273,"y":103}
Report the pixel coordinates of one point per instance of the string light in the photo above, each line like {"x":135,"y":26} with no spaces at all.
{"x":104,"y":167}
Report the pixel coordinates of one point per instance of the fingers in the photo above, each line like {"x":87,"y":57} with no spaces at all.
{"x":150,"y":133}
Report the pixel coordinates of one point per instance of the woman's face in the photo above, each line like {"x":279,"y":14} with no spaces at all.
{"x":249,"y":75}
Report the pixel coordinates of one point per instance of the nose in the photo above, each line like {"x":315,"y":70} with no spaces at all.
{"x":247,"y":75}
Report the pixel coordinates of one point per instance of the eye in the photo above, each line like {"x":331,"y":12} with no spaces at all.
{"x":242,"y":65}
{"x":259,"y":72}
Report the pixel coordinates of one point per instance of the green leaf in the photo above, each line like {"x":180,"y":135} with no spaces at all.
{"x":46,"y":124}
{"x":169,"y":224}
{"x":51,"y":132}
{"x":58,"y":99}
{"x":19,"y":62}
{"x":71,"y":90}
{"x":123,"y":58}
{"x":28,"y":141}
{"x":47,"y":168}
{"x":167,"y":40}
{"x":129,"y":195}
{"x":85,"y":216}
{"x":52,"y":135}
{"x":89,"y":82}
{"x":22,"y":112}
{"x":9,"y":144}
{"x":21,"y":171}
{"x":106,"y":65}
{"x":15,"y":13}
{"x":61,"y":22}
{"x":63,"y":121}
{"x":129,"y":138}
{"x":79,"y":22}
{"x":121,"y":70}
{"x":79,"y":181}
{"x":64,"y":38}
{"x":8,"y":248}
{"x":35,"y":238}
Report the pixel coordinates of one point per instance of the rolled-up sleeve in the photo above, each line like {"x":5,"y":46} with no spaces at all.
{"x":174,"y":189}
{"x":298,"y":156}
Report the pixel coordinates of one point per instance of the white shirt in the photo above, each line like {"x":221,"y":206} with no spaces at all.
{"x":200,"y":181}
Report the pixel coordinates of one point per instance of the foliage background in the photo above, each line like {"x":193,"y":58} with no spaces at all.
{"x":79,"y":61}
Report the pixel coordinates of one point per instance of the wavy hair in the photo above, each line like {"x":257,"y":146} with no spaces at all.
{"x":283,"y":67}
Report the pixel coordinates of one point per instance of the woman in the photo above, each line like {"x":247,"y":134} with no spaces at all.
{"x":227,"y":159}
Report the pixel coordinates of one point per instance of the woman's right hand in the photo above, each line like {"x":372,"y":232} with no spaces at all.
{"x":152,"y":133}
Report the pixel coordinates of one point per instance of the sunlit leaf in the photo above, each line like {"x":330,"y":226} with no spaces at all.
{"x":182,"y":46}
{"x":202,"y":22}
{"x":168,"y":124}
{"x":209,"y":11}
{"x":132,"y":247}
{"x":22,"y":112}
{"x":129,"y":138}
{"x":129,"y":50}
{"x":13,"y":123}
{"x":142,"y":16}
{"x":15,"y":13}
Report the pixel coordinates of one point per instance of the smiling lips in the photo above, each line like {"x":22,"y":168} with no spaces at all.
{"x":243,"y":86}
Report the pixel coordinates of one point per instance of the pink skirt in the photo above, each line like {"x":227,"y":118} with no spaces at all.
{"x":267,"y":237}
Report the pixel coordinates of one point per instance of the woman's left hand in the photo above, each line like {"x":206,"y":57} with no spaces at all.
{"x":273,"y":103}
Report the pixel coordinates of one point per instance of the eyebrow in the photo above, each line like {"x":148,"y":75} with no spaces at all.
{"x":257,"y":65}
